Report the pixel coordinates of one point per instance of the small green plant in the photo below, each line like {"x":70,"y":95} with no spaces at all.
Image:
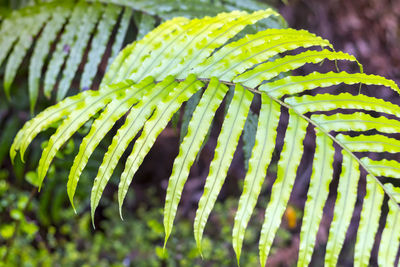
{"x":152,"y":78}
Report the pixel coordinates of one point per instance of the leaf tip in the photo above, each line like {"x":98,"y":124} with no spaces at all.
{"x":262,"y":256}
{"x":71,"y":200}
{"x":165,"y":244}
{"x":92,"y":217}
{"x":7,"y":86}
{"x":12,"y":155}
{"x":22,"y":155}
{"x":120,"y":212}
{"x":199,"y":248}
{"x":238,"y":259}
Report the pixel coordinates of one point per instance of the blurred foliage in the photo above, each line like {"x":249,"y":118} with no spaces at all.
{"x":49,"y":234}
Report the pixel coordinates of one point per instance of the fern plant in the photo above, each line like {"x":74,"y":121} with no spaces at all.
{"x":152,"y":78}
{"x":71,"y":26}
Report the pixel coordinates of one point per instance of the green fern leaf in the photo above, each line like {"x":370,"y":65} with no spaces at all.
{"x":153,"y":127}
{"x":131,"y":58}
{"x":197,"y":131}
{"x":218,"y":37}
{"x":344,"y":206}
{"x":186,"y":49}
{"x":327,"y":102}
{"x":269,"y":70}
{"x":260,"y":157}
{"x":370,"y":143}
{"x":7,"y":38}
{"x":369,"y":223}
{"x":120,"y":36}
{"x":87,"y":24}
{"x":227,"y":141}
{"x":69,"y":126}
{"x":43,"y":120}
{"x":259,"y":47}
{"x":296,"y":84}
{"x":133,"y":123}
{"x":63,"y":47}
{"x":287,"y":166}
{"x":391,"y":234}
{"x":317,"y":194}
{"x":32,"y":27}
{"x":42,"y":48}
{"x":153,"y":77}
{"x":222,"y":27}
{"x":114,"y":111}
{"x":357,"y":121}
{"x":98,"y":44}
{"x":388,"y":168}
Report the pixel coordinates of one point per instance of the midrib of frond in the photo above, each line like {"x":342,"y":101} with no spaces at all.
{"x":314,"y":123}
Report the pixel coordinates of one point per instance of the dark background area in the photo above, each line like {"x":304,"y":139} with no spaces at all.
{"x":367,"y":29}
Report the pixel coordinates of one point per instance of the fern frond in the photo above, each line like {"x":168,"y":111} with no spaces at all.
{"x":317,"y":195}
{"x":133,"y":123}
{"x":186,"y":52}
{"x":131,"y":58}
{"x":43,"y":120}
{"x":197,"y":131}
{"x":369,"y":222}
{"x":120,"y":36}
{"x":391,"y":234}
{"x":82,"y":33}
{"x":153,"y":127}
{"x":32,"y":26}
{"x":226,"y":62}
{"x":62,"y":49}
{"x":86,"y":26}
{"x":286,"y":174}
{"x":260,"y":157}
{"x":297,"y":84}
{"x":42,"y":46}
{"x":153,"y":77}
{"x":226,"y":145}
{"x":269,"y":70}
{"x":327,"y":102}
{"x":7,"y":33}
{"x":388,"y":168}
{"x":344,"y":206}
{"x":70,"y":125}
{"x":357,"y":121}
{"x":99,"y":44}
{"x":370,"y":143}
{"x":114,"y":111}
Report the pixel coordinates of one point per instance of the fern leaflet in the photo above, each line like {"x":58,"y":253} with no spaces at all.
{"x":153,"y":77}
